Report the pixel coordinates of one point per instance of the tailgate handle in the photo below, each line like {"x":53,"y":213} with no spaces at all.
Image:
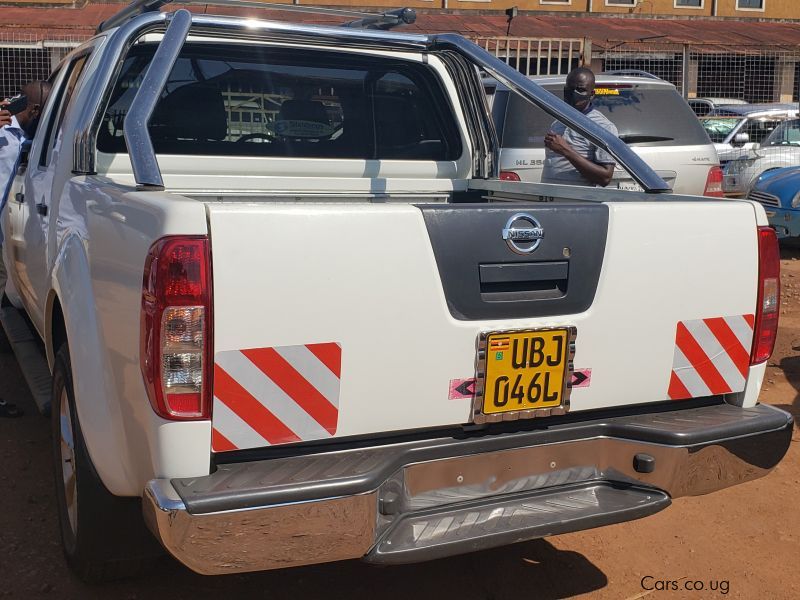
{"x":505,"y":282}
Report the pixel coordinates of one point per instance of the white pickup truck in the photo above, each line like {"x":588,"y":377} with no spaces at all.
{"x":291,"y":315}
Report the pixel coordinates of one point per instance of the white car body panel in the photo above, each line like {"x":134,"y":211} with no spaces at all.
{"x":119,"y":425}
{"x":386,"y":385}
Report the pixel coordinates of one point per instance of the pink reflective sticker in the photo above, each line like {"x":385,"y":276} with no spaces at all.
{"x":462,"y":388}
{"x":581,"y":378}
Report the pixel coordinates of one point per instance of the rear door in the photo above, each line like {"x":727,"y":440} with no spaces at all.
{"x":30,"y":217}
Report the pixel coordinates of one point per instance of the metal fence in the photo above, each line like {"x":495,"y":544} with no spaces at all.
{"x":537,"y":56}
{"x":756,"y":74}
{"x":25,"y":58}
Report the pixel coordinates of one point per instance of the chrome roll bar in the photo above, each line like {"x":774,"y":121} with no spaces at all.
{"x":145,"y":164}
{"x":384,"y":20}
{"x":143,"y":157}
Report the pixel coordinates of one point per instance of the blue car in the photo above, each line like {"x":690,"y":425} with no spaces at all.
{"x":779,"y":192}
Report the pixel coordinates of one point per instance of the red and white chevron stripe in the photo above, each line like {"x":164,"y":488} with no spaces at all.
{"x":712,"y":356}
{"x":268,"y":396}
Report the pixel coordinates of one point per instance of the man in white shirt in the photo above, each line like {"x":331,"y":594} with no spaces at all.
{"x":570,"y":158}
{"x":14,"y":130}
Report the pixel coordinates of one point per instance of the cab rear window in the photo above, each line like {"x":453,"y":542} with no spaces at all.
{"x":643,"y":116}
{"x":257,"y":101}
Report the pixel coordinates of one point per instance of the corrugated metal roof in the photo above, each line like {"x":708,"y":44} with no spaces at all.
{"x":605,"y":32}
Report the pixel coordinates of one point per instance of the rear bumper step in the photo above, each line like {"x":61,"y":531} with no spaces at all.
{"x":481,"y":525}
{"x":428,"y":499}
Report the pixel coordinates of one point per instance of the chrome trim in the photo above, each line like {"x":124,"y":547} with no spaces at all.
{"x":519,"y":83}
{"x":259,"y":539}
{"x":121,"y":39}
{"x":216,"y":26}
{"x":477,"y":116}
{"x":146,"y":171}
{"x":536,"y":233}
{"x":277,"y":31}
{"x":391,"y":18}
{"x":478,"y":415}
{"x":334,"y":528}
{"x":103,"y":80}
{"x":679,"y":472}
{"x":764,"y":198}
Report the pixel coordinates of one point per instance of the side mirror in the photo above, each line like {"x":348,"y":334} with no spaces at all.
{"x":741,"y":138}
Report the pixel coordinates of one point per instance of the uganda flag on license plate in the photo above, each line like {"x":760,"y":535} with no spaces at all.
{"x":499,"y":344}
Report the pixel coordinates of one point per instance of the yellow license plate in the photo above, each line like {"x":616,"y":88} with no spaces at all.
{"x":525,"y":370}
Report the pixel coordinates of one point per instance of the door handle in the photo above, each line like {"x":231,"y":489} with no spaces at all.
{"x":42,"y":209}
{"x":19,"y":197}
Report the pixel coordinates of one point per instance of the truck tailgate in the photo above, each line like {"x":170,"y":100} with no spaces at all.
{"x":336,"y":320}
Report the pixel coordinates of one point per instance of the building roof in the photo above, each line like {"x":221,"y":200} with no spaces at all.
{"x":605,"y":32}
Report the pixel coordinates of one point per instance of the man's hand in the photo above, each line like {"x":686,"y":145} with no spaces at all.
{"x":5,"y":116}
{"x":557,"y":144}
{"x":598,"y":174}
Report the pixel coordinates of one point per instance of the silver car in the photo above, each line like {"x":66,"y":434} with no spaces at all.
{"x":737,"y":129}
{"x":703,"y":106}
{"x":780,"y":149}
{"x":654,"y":120}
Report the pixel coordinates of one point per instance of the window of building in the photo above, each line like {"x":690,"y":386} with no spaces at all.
{"x":620,"y":2}
{"x":749,"y":4}
{"x":563,"y":2}
{"x":689,"y":3}
{"x":222,"y":100}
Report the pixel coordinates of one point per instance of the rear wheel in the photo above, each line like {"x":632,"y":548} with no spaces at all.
{"x":104,"y":536}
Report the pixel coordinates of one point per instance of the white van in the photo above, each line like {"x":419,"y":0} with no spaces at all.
{"x":652,"y":118}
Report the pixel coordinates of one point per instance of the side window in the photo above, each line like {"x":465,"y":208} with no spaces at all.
{"x":226,"y":100}
{"x":758,"y":130}
{"x":787,"y":135}
{"x":60,"y":104}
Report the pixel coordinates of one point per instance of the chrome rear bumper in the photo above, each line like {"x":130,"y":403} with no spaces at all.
{"x":426,"y":499}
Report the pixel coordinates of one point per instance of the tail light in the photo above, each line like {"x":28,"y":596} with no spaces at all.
{"x":509,"y":176}
{"x":769,"y":296}
{"x":714,"y":183}
{"x":176,"y":327}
